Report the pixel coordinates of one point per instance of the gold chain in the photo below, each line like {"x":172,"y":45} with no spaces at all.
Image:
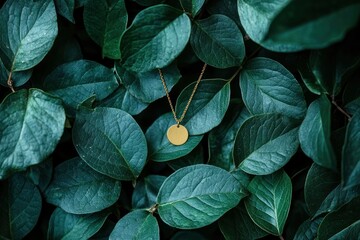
{"x":178,"y":120}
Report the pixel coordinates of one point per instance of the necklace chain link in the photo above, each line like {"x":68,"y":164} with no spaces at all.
{"x":178,"y":120}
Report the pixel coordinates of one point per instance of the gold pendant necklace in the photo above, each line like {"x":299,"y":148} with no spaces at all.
{"x":177,"y":134}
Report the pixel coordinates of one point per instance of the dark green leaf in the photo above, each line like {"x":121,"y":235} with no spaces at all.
{"x":27,"y":32}
{"x":122,"y":99}
{"x":308,"y":230}
{"x":76,"y":81}
{"x":111,"y":142}
{"x":105,"y":21}
{"x":146,"y":190}
{"x":192,"y":6}
{"x":197,"y":195}
{"x":283,"y":26}
{"x":314,"y":133}
{"x":265,"y":143}
{"x":164,"y":32}
{"x":351,"y":152}
{"x":337,"y":198}
{"x":188,"y":235}
{"x":208,"y":106}
{"x":78,"y":189}
{"x":147,"y":86}
{"x":63,"y":225}
{"x":66,"y":9}
{"x":20,"y":207}
{"x":268,"y":87}
{"x":196,"y":156}
{"x":41,"y":174}
{"x":148,"y":2}
{"x":160,"y":149}
{"x":222,"y":138}
{"x":18,"y":78}
{"x":338,"y":220}
{"x":105,"y":231}
{"x":138,"y":224}
{"x":217,"y":41}
{"x":242,"y":177}
{"x":319,"y":183}
{"x":237,"y":225}
{"x":269,"y":202}
{"x":225,"y":7}
{"x":351,"y":232}
{"x":31,"y":124}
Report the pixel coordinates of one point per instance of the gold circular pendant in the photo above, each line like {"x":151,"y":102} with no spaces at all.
{"x":177,"y":135}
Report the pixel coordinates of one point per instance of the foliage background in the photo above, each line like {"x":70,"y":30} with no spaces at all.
{"x":275,"y":124}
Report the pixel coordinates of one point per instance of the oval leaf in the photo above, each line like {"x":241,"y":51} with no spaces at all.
{"x":105,"y":22}
{"x":66,"y":9}
{"x":77,"y":81}
{"x":217,"y":41}
{"x":314,"y":133}
{"x":86,"y":191}
{"x":164,"y":32}
{"x":192,"y":6}
{"x":146,"y":190}
{"x":27,"y":32}
{"x":160,"y":149}
{"x":351,"y":152}
{"x":265,"y":143}
{"x":208,"y":106}
{"x":197,"y":195}
{"x":20,"y":207}
{"x":63,"y":225}
{"x":111,"y":142}
{"x":269,"y":202}
{"x":308,"y":229}
{"x":138,"y":224}
{"x":268,"y":87}
{"x":31,"y":124}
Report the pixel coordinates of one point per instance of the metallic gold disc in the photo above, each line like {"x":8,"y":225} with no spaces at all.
{"x":177,"y":135}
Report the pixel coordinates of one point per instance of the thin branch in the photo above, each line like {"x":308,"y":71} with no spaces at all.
{"x":339,"y":108}
{"x":10,"y":82}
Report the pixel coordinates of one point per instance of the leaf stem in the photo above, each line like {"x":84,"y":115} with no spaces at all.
{"x":153,"y":208}
{"x":339,"y":108}
{"x":243,"y":63}
{"x":281,"y":237}
{"x":10,"y":82}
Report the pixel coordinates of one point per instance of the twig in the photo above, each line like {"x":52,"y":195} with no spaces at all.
{"x":243,"y":63}
{"x":339,"y":108}
{"x":10,"y":82}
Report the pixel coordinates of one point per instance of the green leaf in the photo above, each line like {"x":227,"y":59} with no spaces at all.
{"x":104,"y":232}
{"x":265,"y":143}
{"x":222,"y":138}
{"x":164,"y":32}
{"x":78,"y":189}
{"x":282,"y":26}
{"x":111,"y":142}
{"x":20,"y":207}
{"x":197,"y":196}
{"x":225,"y":7}
{"x":18,"y":78}
{"x":147,"y":86}
{"x":314,"y":133}
{"x":268,"y":87}
{"x":27,"y":32}
{"x":338,"y":220}
{"x":76,"y":81}
{"x":122,"y":99}
{"x":138,"y":224}
{"x":217,"y":41}
{"x":237,"y":224}
{"x":338,"y":198}
{"x":319,"y":183}
{"x":269,"y":202}
{"x":41,"y":174}
{"x":66,"y":9}
{"x":308,"y":229}
{"x":192,"y":6}
{"x":146,"y":190}
{"x":31,"y":124}
{"x":196,"y":156}
{"x":160,"y":149}
{"x":208,"y":106}
{"x":351,"y":232}
{"x":105,"y":22}
{"x":67,"y":226}
{"x":351,"y":152}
